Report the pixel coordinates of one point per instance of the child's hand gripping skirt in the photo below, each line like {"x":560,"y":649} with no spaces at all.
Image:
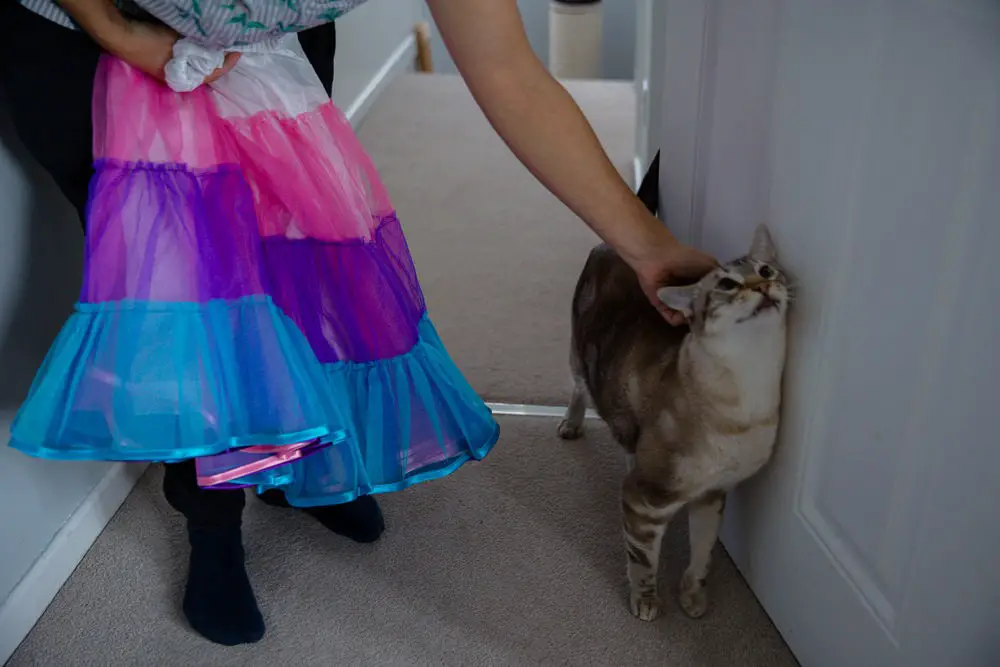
{"x":249,"y":300}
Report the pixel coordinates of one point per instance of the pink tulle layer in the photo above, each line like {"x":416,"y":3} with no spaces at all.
{"x":309,"y":174}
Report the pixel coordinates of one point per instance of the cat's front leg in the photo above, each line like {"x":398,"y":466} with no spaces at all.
{"x":704,"y":520}
{"x":646,"y":512}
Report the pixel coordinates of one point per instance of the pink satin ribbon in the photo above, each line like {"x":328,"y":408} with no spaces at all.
{"x":282,"y":454}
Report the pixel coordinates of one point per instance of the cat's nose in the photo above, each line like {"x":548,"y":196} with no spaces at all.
{"x":768,"y":289}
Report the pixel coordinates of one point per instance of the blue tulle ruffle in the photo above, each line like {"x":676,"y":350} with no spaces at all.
{"x":142,"y":381}
{"x":153,"y":381}
{"x":419,"y":400}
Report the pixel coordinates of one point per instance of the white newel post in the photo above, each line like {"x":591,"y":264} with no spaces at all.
{"x":575,"y":38}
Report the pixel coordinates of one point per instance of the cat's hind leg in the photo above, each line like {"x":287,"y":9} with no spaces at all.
{"x":571,"y":427}
{"x":704,"y":520}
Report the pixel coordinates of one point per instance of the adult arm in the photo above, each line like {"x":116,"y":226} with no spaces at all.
{"x":546,"y":130}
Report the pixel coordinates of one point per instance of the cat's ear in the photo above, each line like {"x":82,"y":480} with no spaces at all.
{"x":762,"y":249}
{"x":680,"y":299}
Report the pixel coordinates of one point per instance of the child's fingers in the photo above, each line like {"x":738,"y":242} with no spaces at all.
{"x":227,"y":65}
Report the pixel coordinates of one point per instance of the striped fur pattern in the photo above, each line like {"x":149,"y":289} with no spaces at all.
{"x":695,"y":408}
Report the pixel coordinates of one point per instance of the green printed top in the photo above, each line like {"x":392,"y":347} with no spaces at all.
{"x":223,"y":23}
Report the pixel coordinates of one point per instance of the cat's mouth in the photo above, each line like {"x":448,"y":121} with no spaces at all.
{"x":765,"y":304}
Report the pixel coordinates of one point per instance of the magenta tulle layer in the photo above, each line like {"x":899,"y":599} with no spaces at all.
{"x":249,"y":300}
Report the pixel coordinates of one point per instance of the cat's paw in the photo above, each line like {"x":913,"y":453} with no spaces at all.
{"x":570,"y":431}
{"x":693,"y":598}
{"x":645,"y":607}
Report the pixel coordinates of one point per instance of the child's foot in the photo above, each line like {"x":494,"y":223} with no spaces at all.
{"x":359,"y":520}
{"x":219,"y":602}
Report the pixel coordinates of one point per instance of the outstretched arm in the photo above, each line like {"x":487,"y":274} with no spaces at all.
{"x":547,"y":131}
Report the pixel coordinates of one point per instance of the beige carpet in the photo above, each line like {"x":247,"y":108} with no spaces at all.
{"x":513,"y":561}
{"x":497,"y":255}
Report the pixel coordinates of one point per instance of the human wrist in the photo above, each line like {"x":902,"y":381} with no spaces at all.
{"x":647,"y":237}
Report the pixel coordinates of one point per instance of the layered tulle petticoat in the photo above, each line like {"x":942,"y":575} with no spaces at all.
{"x":249,"y":300}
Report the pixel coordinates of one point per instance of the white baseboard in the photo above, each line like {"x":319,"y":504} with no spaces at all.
{"x":532,"y":410}
{"x":30,"y":598}
{"x":401,"y":60}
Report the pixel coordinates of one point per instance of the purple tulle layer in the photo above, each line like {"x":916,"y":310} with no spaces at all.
{"x":160,"y":232}
{"x":168,"y":233}
{"x":354,"y":301}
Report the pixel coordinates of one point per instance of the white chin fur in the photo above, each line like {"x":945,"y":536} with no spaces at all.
{"x":745,"y":316}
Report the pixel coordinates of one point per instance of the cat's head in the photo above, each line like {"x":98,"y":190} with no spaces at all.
{"x":751,"y":290}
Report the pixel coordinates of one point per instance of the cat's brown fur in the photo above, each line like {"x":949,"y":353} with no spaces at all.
{"x":694,"y":407}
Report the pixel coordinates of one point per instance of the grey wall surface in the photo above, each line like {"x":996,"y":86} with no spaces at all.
{"x":40,"y":269}
{"x":366,"y":39}
{"x":618,"y":35}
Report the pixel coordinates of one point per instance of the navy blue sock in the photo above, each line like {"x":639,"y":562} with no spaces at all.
{"x":219,"y":602}
{"x":360,"y":520}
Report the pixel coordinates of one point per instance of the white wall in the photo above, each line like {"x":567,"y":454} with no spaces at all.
{"x":374,"y":42}
{"x":40,"y":269}
{"x":618,"y":35}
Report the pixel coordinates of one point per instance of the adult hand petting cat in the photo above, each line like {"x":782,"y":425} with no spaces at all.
{"x":662,"y":260}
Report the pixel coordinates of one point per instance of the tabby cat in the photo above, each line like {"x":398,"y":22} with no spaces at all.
{"x":695,"y":407}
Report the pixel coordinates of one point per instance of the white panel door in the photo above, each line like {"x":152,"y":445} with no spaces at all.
{"x":867,"y":133}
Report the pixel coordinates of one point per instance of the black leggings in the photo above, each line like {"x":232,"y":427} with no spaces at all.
{"x":47,"y":74}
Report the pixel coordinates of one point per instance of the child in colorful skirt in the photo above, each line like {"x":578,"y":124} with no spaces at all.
{"x":248,"y":300}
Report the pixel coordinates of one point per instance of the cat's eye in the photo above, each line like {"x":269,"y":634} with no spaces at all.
{"x":765,"y":272}
{"x":727,"y":285}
